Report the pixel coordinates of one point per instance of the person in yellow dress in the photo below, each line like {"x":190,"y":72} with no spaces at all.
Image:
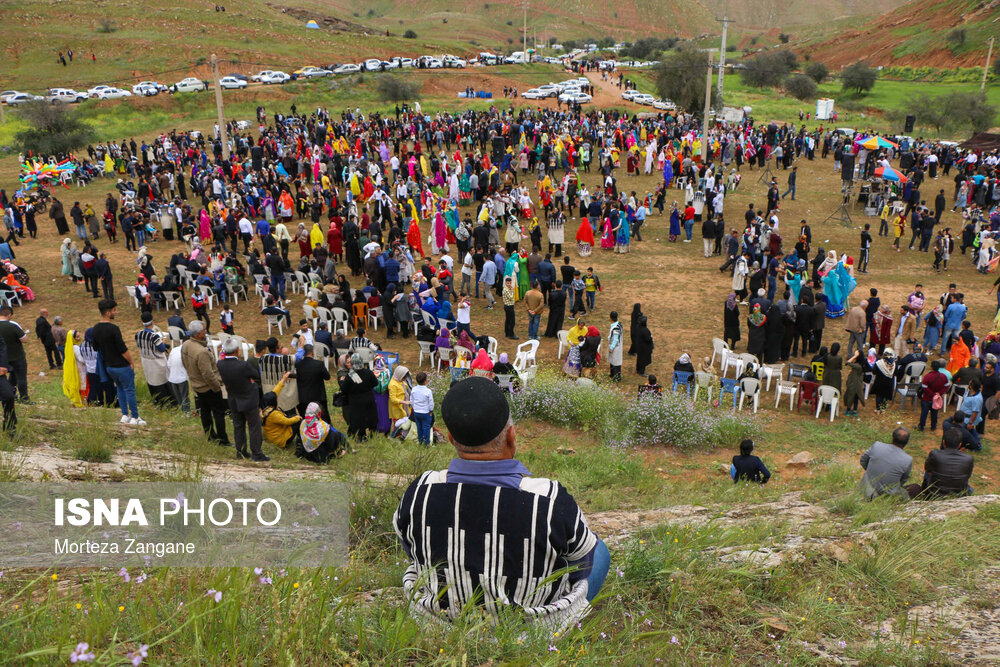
{"x":279,"y":429}
{"x":399,"y":393}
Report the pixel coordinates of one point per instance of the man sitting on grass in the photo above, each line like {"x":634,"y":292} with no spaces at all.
{"x":485,"y":531}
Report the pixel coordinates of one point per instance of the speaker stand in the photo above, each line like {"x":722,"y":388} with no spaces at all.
{"x":843,"y":214}
{"x":766,"y":174}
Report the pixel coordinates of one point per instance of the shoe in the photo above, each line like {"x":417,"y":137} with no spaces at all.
{"x":224,"y":444}
{"x":242,"y":455}
{"x":138,"y":421}
{"x":125,"y":419}
{"x":260,"y":457}
{"x":132,"y":422}
{"x":513,"y":338}
{"x":25,"y":401}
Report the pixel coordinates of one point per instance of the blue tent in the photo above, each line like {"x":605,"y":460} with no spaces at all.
{"x":313,"y":25}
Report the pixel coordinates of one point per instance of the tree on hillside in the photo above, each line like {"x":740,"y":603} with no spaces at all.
{"x":818,"y":72}
{"x":394,"y":89}
{"x":52,"y":129}
{"x":972,"y":110}
{"x":680,"y":77}
{"x":929,"y":111}
{"x":858,"y":77}
{"x":800,"y":86}
{"x":765,"y":70}
{"x":409,"y":34}
{"x":783,"y":38}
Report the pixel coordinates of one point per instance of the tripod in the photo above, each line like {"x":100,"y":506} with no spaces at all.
{"x":842,"y":213}
{"x":767,"y":174}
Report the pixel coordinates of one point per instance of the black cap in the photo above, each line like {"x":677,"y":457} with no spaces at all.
{"x":475,"y":411}
{"x":147,"y":317}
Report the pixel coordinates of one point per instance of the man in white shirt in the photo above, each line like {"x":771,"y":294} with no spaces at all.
{"x":305,"y":335}
{"x":448,"y":260}
{"x":177,"y":377}
{"x":246,"y":230}
{"x":468,"y":270}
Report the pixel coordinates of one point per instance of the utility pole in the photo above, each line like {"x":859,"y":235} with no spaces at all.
{"x":524,"y":32}
{"x":986,"y":67}
{"x":708,"y":107}
{"x":223,"y":135}
{"x":725,"y":21}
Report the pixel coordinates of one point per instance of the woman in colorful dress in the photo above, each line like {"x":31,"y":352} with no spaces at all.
{"x":623,"y":235}
{"x":584,"y":239}
{"x":608,"y":237}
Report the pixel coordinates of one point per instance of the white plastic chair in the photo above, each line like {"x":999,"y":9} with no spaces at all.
{"x":528,"y":374}
{"x":290,"y":279}
{"x":957,"y":392}
{"x":428,"y":319}
{"x":275,"y":321}
{"x":322,"y":352}
{"x":914,"y":371}
{"x":827,"y":395}
{"x":209,"y":295}
{"x":721,"y":348}
{"x":172,"y":299}
{"x":131,"y":292}
{"x":426,"y":347}
{"x":563,"y":337}
{"x":176,"y":335}
{"x":340,"y":320}
{"x":750,"y":388}
{"x":493,"y":346}
{"x":732,"y":361}
{"x":529,"y":349}
{"x":311,"y":314}
{"x":374,"y":315}
{"x":703,"y":380}
{"x":772,"y":371}
{"x":303,"y":281}
{"x":786,"y":387}
{"x":259,"y":280}
{"x":367,"y":356}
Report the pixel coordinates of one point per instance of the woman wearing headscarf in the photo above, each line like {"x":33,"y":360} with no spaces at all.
{"x":731,"y":321}
{"x":302,"y":238}
{"x":503,"y":365}
{"x":573,"y":364}
{"x":316,"y":236}
{"x":756,"y":332}
{"x":443,"y":342}
{"x":464,"y":340}
{"x":643,"y":347}
{"x":884,"y":383}
{"x":584,"y":239}
{"x":854,"y":390}
{"x":318,"y":441}
{"x":383,"y":376}
{"x":482,"y":363}
{"x":958,"y":355}
{"x":589,"y":357}
{"x":608,"y":235}
{"x":357,"y":384}
{"x":624,"y":234}
{"x":71,"y":261}
{"x":675,"y":222}
{"x":774,"y":330}
{"x":881,"y":328}
{"x":278,"y":428}
{"x":633,"y":324}
{"x":834,"y":368}
{"x":399,"y":393}
{"x":934,"y":322}
{"x":683,"y":363}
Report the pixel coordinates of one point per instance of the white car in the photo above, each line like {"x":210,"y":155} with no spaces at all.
{"x":549,"y":89}
{"x":629,"y":94}
{"x":401,"y":62}
{"x":20,"y":98}
{"x":664,"y":105}
{"x":92,"y":92}
{"x":5,"y":94}
{"x":110,"y":93}
{"x":259,"y":76}
{"x":312,"y":72}
{"x":432,"y":63}
{"x":65,"y":96}
{"x":452,"y":61}
{"x":576,"y":97}
{"x":276,"y":76}
{"x":148,"y":88}
{"x":534,"y":94}
{"x":189,"y":85}
{"x":643,"y":98}
{"x":373,"y":65}
{"x":232,"y":83}
{"x":390,"y":64}
{"x":347,"y":68}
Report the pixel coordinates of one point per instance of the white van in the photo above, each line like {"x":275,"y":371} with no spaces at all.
{"x":516,"y":58}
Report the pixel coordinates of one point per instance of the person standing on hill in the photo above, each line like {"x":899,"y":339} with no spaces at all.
{"x":241,"y":381}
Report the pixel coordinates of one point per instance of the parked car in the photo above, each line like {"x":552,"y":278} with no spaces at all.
{"x":534,"y":94}
{"x":111,"y":93}
{"x":347,"y":68}
{"x":232,"y":83}
{"x":575,"y":98}
{"x":189,"y":85}
{"x":429,"y":62}
{"x":259,"y":75}
{"x":373,"y":65}
{"x":629,"y":94}
{"x":21,"y":98}
{"x":277,"y":76}
{"x":241,"y":77}
{"x":311,"y":72}
{"x":453,"y":61}
{"x":399,"y":62}
{"x":664,"y":105}
{"x":8,"y":93}
{"x":390,"y":64}
{"x":148,"y":88}
{"x":92,"y":92}
{"x":65,"y":96}
{"x":643,"y":98}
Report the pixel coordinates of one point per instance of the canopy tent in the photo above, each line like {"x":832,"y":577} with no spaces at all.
{"x":982,"y":141}
{"x":873,"y":143}
{"x":889,"y":174}
{"x":313,"y":25}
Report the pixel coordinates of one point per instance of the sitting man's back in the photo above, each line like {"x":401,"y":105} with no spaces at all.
{"x":887,"y":467}
{"x":483,"y":531}
{"x":947,"y":470}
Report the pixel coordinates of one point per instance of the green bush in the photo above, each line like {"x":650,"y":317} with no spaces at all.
{"x":800,"y":86}
{"x":858,"y":77}
{"x":623,"y":421}
{"x":394,"y":89}
{"x":409,"y":34}
{"x":52,"y":129}
{"x":817,"y":72}
{"x":766,"y":70}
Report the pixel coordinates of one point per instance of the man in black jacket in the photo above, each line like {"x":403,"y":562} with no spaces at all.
{"x":7,"y":392}
{"x":43,"y":330}
{"x":940,"y":202}
{"x":241,"y":380}
{"x":311,"y":375}
{"x":947,"y":470}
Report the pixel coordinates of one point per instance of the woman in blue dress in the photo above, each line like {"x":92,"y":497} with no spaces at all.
{"x":623,"y":237}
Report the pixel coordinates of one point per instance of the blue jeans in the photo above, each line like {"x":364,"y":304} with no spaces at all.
{"x":591,"y":298}
{"x":423,"y":420}
{"x":140,"y":235}
{"x":478,"y":276}
{"x":598,"y":570}
{"x":568,"y":291}
{"x":772,"y":287}
{"x":688,"y":228}
{"x":533,"y":322}
{"x":278,"y":285}
{"x":81,"y":231}
{"x":946,"y":336}
{"x":124,"y":379}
